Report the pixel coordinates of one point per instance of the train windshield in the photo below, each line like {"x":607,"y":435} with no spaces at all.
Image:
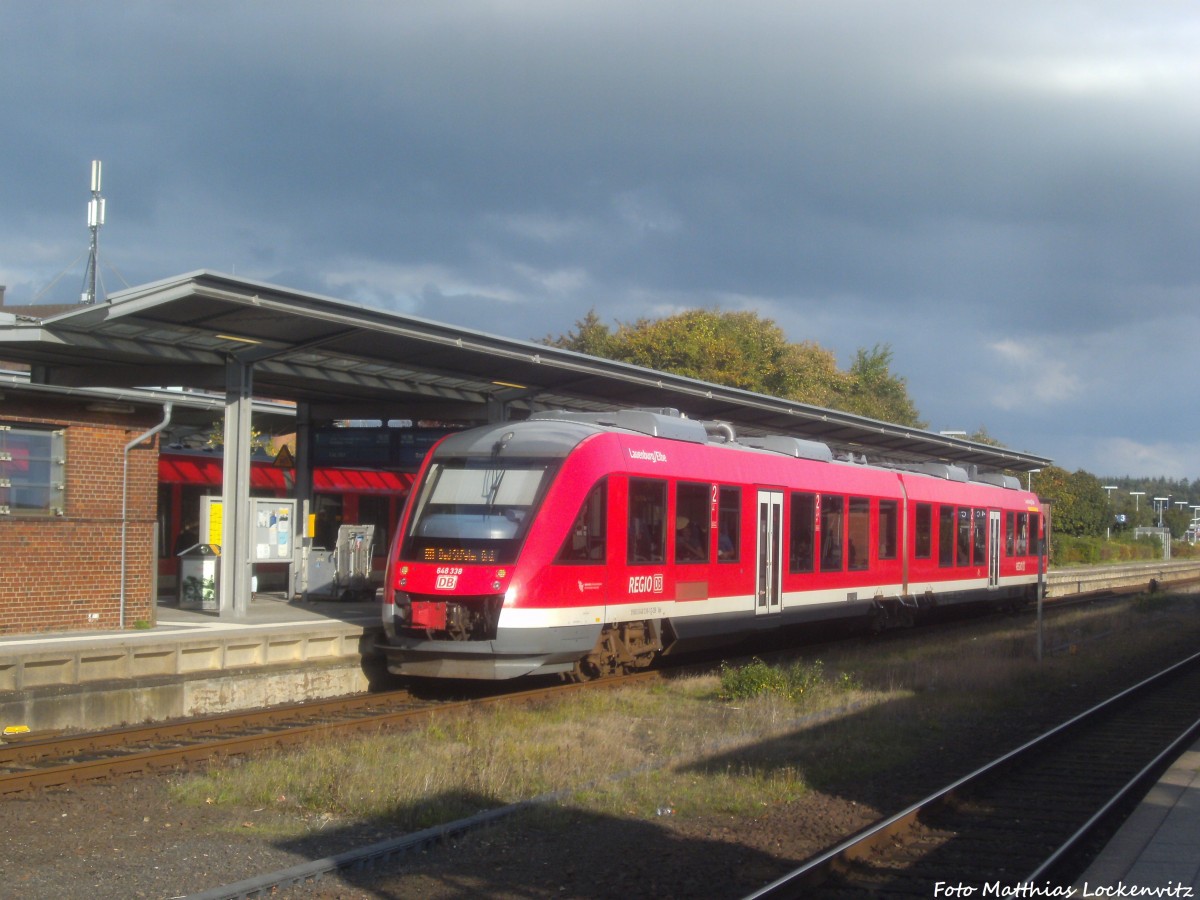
{"x":476,"y":511}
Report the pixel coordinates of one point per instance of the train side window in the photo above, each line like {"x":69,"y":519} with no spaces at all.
{"x":585,"y":541}
{"x":888,"y":517}
{"x":945,"y":535}
{"x":1022,"y":534}
{"x":980,"y":537}
{"x":1035,"y":535}
{"x":963,"y":557}
{"x":1010,"y":528}
{"x":858,"y":547}
{"x":803,"y":523}
{"x":729,"y":520}
{"x":832,"y":509}
{"x":647,"y":520}
{"x":923,"y":539}
{"x":691,"y":522}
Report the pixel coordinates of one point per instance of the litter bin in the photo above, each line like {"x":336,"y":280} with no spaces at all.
{"x":199,"y":577}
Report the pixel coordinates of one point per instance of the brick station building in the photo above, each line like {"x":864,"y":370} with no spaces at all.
{"x":65,"y":478}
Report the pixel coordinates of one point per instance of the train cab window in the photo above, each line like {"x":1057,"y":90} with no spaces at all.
{"x":692,"y":503}
{"x":585,"y":541}
{"x":888,"y":518}
{"x":945,"y":535}
{"x":923,"y":538}
{"x":729,"y":519}
{"x":858,"y":547}
{"x":979,"y":540}
{"x":963,"y":552}
{"x":1010,"y":529}
{"x":832,"y":516}
{"x":803,"y":524}
{"x":1035,"y":539}
{"x":647,"y":520}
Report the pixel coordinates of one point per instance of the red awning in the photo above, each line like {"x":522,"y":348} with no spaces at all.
{"x":361,"y":481}
{"x":264,"y":476}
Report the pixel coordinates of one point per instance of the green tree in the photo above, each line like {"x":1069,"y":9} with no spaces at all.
{"x":875,"y":392}
{"x":1080,"y":505}
{"x":590,"y":336}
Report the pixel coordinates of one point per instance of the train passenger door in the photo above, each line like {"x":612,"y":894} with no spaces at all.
{"x":994,"y":549}
{"x":768,"y":581}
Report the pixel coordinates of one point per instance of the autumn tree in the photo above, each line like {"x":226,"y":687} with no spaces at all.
{"x":743,"y":350}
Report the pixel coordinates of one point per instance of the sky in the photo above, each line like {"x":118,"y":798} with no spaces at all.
{"x":1007,"y":195}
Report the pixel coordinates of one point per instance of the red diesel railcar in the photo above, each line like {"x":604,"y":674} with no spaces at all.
{"x":589,"y":544}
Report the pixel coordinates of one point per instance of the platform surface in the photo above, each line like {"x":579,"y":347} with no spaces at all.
{"x":1157,"y":851}
{"x":266,"y":610}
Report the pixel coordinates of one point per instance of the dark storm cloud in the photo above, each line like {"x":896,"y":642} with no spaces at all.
{"x":1006,"y":195}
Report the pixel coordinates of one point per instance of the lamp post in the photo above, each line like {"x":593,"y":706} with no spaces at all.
{"x":1160,"y":503}
{"x":1108,"y":489}
{"x":1136,"y":495}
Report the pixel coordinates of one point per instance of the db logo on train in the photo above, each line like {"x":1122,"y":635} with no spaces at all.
{"x":447,"y":579}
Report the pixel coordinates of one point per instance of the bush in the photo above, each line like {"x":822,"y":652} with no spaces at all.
{"x":757,"y":679}
{"x":1067,"y":550}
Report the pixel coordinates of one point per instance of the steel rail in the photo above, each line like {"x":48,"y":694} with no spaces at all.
{"x":21,"y":751}
{"x":858,"y":846}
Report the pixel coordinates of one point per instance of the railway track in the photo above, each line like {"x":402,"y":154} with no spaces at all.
{"x":1035,"y":816}
{"x":64,"y":760}
{"x":61,"y":760}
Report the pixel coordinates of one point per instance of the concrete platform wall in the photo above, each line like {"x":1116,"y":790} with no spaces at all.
{"x":122,"y":681}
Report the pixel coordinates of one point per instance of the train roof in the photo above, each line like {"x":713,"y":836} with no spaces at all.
{"x":556,"y":432}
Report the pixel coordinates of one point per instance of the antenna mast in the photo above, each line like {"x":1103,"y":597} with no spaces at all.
{"x":95,"y":220}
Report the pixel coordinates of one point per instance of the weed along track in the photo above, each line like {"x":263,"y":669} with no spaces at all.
{"x":78,"y":758}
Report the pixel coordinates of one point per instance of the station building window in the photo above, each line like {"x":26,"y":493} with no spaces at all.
{"x":647,"y":520}
{"x":33,"y":473}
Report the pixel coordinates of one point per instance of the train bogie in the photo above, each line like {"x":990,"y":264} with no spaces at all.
{"x":588,"y":544}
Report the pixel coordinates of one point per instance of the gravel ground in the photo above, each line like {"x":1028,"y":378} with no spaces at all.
{"x":129,"y":839}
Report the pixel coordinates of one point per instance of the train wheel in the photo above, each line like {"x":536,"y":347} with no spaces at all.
{"x":620,"y":649}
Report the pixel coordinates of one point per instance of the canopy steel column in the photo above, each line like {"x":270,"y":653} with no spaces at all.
{"x":235,"y":491}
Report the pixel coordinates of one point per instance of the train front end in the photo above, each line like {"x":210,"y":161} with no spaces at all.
{"x":465,"y":549}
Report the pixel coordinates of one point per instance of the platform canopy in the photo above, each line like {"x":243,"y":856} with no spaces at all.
{"x":346,"y":361}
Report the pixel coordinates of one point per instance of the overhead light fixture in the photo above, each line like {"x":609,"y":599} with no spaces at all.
{"x":509,"y":384}
{"x":240,"y":340}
